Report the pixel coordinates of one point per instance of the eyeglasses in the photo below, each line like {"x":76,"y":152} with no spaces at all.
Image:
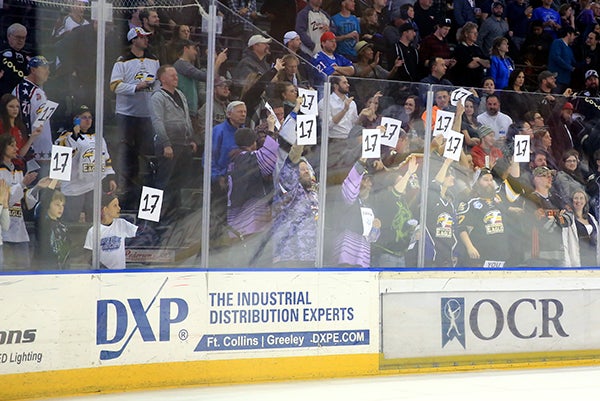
{"x":571,"y":161}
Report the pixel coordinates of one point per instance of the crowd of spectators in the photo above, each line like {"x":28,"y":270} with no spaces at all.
{"x":531,"y":69}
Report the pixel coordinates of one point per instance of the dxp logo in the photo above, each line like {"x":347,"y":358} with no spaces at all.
{"x":171,"y":311}
{"x":453,"y":320}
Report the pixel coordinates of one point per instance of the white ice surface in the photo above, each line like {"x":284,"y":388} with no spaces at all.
{"x":565,"y":384}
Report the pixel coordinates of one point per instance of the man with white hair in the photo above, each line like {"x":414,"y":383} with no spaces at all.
{"x":13,"y":59}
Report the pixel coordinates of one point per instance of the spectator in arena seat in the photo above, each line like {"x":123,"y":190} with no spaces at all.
{"x":367,"y":64}
{"x":224,"y":141}
{"x":407,"y":53}
{"x":79,"y":190}
{"x":151,"y":24}
{"x":547,"y":217}
{"x":588,"y":57}
{"x":133,"y":81}
{"x":16,"y":238}
{"x":501,"y":65}
{"x":517,"y":15}
{"x":436,"y":45}
{"x":464,"y":11}
{"x":293,"y":44}
{"x":343,"y":114}
{"x":287,"y":93}
{"x":535,"y":119}
{"x":570,"y":178}
{"x":254,"y":59}
{"x":485,"y":154}
{"x":494,"y":118}
{"x":175,"y":141}
{"x":189,"y":75}
{"x":537,"y":44}
{"x":412,"y":122}
{"x":515,"y":99}
{"x":482,"y":225}
{"x":250,"y":195}
{"x":437,"y":72}
{"x":32,"y":99}
{"x":565,"y":131}
{"x":355,"y":233}
{"x":549,"y":17}
{"x":74,"y":19}
{"x":561,"y":59}
{"x":327,"y":62}
{"x":13,"y":58}
{"x":291,"y":72}
{"x":178,"y":34}
{"x":311,"y":23}
{"x":425,"y":17}
{"x":469,"y":124}
{"x":580,"y":238}
{"x":542,"y":143}
{"x":471,"y":61}
{"x":221,"y":98}
{"x":295,"y":213}
{"x":113,"y":231}
{"x":346,"y":27}
{"x":586,"y":102}
{"x":11,"y":123}
{"x":53,"y":246}
{"x":493,"y":27}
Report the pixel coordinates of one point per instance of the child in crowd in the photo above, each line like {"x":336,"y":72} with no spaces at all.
{"x":113,"y":232}
{"x":54,"y":246}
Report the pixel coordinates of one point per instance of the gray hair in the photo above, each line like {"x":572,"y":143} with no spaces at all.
{"x":14,"y":28}
{"x":233,"y":105}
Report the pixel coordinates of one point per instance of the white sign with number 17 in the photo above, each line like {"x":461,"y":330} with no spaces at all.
{"x":310,"y":101}
{"x":150,"y":204}
{"x":371,"y":147}
{"x":454,"y":144}
{"x":393,"y":128}
{"x":522,"y":148}
{"x":306,"y":129}
{"x":61,"y":162}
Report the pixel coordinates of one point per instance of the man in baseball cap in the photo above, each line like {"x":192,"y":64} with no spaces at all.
{"x":327,"y":61}
{"x":136,"y":32}
{"x":254,"y":59}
